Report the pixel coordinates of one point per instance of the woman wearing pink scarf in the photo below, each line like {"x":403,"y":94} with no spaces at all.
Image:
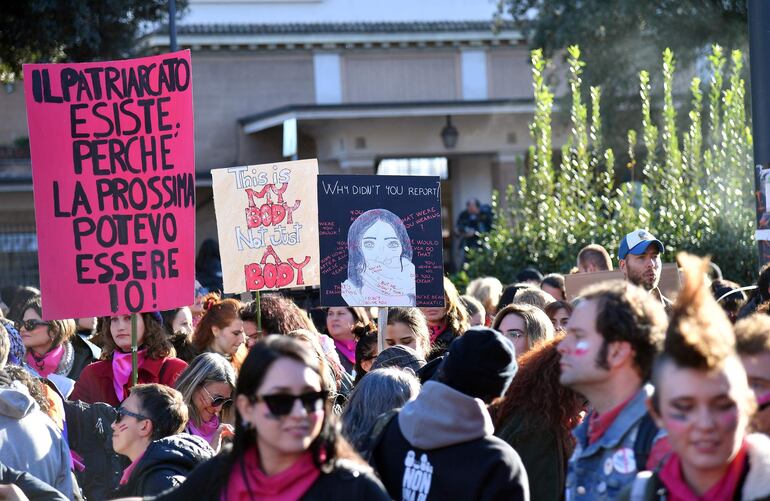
{"x":52,"y":347}
{"x":207,"y":386}
{"x":110,"y":379}
{"x":287,"y":445}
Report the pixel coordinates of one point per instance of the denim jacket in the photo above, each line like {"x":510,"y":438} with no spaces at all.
{"x":602,"y":469}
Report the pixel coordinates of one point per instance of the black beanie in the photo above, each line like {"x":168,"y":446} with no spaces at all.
{"x":481,"y":363}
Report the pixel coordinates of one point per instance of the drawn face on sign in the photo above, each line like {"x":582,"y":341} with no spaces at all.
{"x":381,"y":246}
{"x":380,"y":269}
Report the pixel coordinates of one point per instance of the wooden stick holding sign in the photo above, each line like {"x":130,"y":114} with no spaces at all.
{"x":382,"y":324}
{"x":134,"y":352}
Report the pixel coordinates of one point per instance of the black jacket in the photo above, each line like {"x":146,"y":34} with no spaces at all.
{"x":165,"y":464}
{"x":90,"y":435}
{"x":346,"y":481}
{"x":440,"y":446}
{"x":31,"y":486}
{"x":85,"y":352}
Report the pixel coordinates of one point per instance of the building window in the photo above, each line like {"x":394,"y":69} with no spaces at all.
{"x":436,"y":166}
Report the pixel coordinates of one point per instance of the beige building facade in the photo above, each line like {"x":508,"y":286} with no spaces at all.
{"x":368,"y":96}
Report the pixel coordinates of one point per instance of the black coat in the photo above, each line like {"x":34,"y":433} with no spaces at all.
{"x":90,"y":435}
{"x":31,"y":486}
{"x":85,"y":353}
{"x":345,"y":482}
{"x":165,"y":464}
{"x":484,"y":469}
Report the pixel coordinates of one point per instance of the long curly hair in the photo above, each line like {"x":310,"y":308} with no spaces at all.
{"x":537,"y":394}
{"x":155,"y":339}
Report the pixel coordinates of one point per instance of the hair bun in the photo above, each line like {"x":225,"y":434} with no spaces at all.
{"x":209,"y":303}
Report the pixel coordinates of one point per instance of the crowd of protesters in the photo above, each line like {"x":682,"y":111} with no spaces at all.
{"x":510,"y":391}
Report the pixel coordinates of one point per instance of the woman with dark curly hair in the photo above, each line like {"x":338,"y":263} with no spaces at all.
{"x":221,"y":330}
{"x":110,"y":379}
{"x":287,"y":442}
{"x":445,"y":322}
{"x":536,"y":416}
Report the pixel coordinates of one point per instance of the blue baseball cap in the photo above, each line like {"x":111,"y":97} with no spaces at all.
{"x":637,"y":242}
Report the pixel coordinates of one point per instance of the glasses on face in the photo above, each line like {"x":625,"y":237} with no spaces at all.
{"x":217,"y":401}
{"x":125,"y":412}
{"x":29,"y":325}
{"x":282,"y":404}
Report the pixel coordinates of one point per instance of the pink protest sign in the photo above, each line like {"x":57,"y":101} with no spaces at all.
{"x":113,"y":174}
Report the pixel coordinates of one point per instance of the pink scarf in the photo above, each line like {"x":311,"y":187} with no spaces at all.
{"x":129,"y":470}
{"x":436,"y":331}
{"x":47,"y":364}
{"x":121,"y":370}
{"x":679,"y":490}
{"x":206,"y":430}
{"x":289,"y":485}
{"x":347,"y":348}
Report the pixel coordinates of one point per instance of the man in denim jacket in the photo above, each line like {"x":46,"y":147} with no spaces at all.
{"x":612,"y":338}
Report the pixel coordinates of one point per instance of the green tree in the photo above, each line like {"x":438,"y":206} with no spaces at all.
{"x":73,"y":30}
{"x":697,"y":197}
{"x":620,"y":38}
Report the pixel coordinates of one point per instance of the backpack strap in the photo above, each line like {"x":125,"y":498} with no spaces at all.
{"x":378,"y":430}
{"x":643,"y":487}
{"x":645,"y":437}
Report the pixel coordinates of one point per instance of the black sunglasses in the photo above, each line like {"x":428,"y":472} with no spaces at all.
{"x":124,"y":412}
{"x":281,"y":404}
{"x":29,"y":325}
{"x":217,"y":401}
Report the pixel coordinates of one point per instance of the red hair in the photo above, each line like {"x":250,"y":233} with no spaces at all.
{"x":537,"y":394}
{"x":218,"y":313}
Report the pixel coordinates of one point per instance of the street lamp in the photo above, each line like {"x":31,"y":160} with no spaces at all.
{"x":449,"y":134}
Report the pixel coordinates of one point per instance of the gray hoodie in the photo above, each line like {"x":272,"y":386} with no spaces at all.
{"x":31,"y":442}
{"x":443,"y":416}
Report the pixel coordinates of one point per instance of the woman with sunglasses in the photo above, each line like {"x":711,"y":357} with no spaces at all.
{"x":207,"y":387}
{"x":287,"y":445}
{"x":147,"y":430}
{"x":109,"y":379}
{"x":52,"y":347}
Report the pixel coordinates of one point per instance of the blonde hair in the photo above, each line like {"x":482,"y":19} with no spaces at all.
{"x":487,"y":290}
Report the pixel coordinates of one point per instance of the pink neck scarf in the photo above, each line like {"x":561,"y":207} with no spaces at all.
{"x":347,"y":348}
{"x":247,"y":479}
{"x":121,"y":370}
{"x":206,"y":430}
{"x":129,"y":470}
{"x":48,"y":363}
{"x":679,"y":490}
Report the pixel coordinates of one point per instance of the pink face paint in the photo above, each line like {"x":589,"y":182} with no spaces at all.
{"x":581,"y":348}
{"x":675,"y":424}
{"x":122,"y":427}
{"x":728,"y":420}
